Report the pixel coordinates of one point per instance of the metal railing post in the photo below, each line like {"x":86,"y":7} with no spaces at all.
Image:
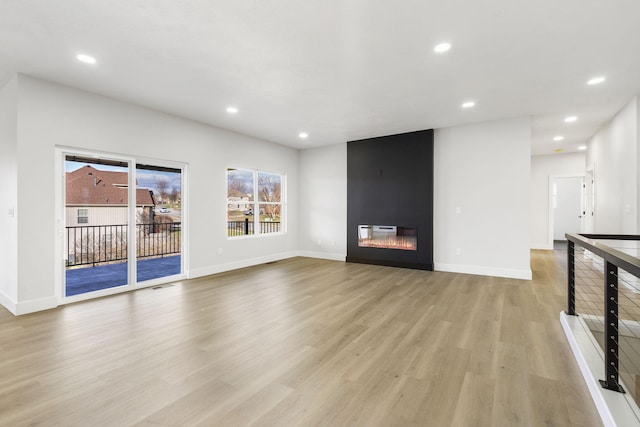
{"x":611,"y":351}
{"x":246,"y":226}
{"x":571,"y":279}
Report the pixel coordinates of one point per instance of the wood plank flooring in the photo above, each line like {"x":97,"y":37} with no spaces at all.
{"x":302,"y":342}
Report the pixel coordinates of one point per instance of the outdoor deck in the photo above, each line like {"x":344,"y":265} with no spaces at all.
{"x":89,"y":279}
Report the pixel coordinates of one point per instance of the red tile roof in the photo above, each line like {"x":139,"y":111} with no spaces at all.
{"x":88,"y":186}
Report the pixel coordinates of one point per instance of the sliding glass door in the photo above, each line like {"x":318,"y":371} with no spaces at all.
{"x":123,"y":224}
{"x":96,"y":224}
{"x":158,"y":226}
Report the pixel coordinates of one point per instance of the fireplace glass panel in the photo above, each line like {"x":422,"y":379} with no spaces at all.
{"x":387,"y":237}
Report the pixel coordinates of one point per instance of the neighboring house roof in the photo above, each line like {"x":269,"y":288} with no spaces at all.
{"x":90,"y":186}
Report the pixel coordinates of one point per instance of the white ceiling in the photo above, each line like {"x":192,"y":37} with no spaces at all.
{"x":339,"y":69}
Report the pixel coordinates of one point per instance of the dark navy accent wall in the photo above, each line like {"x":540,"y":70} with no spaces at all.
{"x":390,"y":182}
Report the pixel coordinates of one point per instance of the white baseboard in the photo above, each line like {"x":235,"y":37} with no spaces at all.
{"x":221,"y":268}
{"x":8,"y":303}
{"x":616,"y":409}
{"x":542,"y":246}
{"x":484,"y":271}
{"x":323,"y":255}
{"x":31,"y":306}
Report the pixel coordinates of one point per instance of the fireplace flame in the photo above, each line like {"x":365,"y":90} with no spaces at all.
{"x":405,"y":243}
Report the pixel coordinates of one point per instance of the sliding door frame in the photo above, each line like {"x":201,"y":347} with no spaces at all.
{"x":61,"y":152}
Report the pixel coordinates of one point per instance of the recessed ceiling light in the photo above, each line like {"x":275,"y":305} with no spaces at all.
{"x":570,"y":119}
{"x":468,"y":104}
{"x":558,"y":150}
{"x":86,"y":59}
{"x":558,"y":138}
{"x":232,"y":110}
{"x":596,"y":80}
{"x":442,"y":47}
{"x":582,"y":147}
{"x":303,"y":135}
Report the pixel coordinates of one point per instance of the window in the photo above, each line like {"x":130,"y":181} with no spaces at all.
{"x":254,"y":202}
{"x":270,"y":198}
{"x":83,"y":216}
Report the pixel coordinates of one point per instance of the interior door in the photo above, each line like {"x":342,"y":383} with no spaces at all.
{"x":568,"y":210}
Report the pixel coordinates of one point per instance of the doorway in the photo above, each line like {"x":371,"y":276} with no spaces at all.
{"x":121,"y":222}
{"x":566,"y":208}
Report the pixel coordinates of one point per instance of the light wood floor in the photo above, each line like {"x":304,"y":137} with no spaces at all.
{"x":302,"y":342}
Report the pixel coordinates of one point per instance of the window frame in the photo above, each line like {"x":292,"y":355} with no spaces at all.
{"x":85,"y":218}
{"x":255,"y":205}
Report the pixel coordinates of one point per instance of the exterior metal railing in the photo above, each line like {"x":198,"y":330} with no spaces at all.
{"x":269,"y":227}
{"x":100,"y":244}
{"x":613,"y":264}
{"x":246,"y":227}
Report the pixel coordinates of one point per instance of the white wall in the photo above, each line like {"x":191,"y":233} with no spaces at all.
{"x":51,"y":115}
{"x":484,"y":170}
{"x":8,"y":194}
{"x":637,"y":128}
{"x":323,"y":202}
{"x":613,"y":155}
{"x":542,"y":168}
{"x":636,"y":103}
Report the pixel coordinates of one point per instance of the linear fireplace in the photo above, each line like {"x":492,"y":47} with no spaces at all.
{"x":387,"y":237}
